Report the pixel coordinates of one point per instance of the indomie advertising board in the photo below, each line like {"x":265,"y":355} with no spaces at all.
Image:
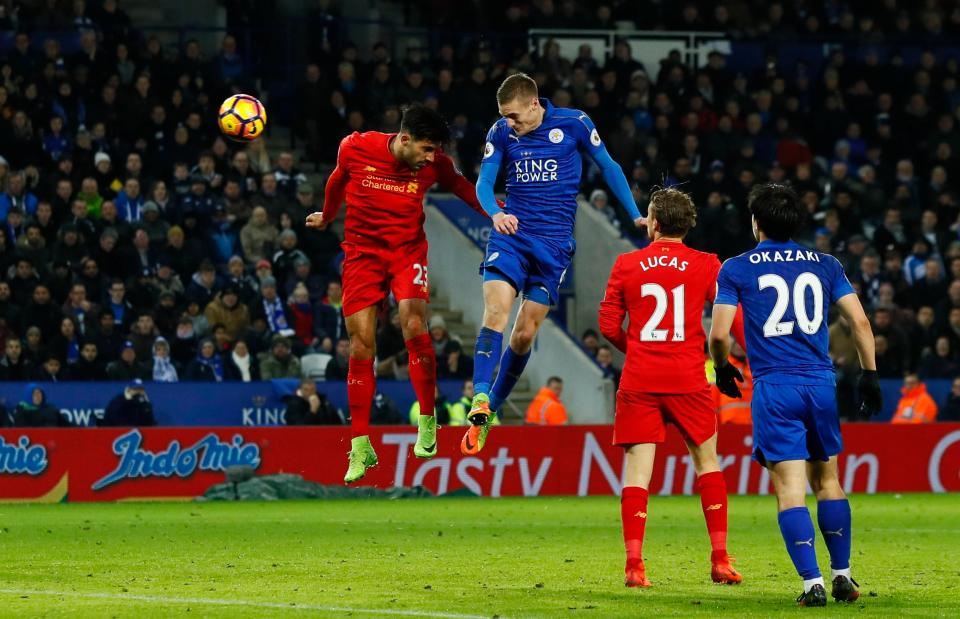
{"x":168,"y":463}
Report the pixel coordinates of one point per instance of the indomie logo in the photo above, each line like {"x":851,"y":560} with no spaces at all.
{"x":22,"y":457}
{"x":207,"y":454}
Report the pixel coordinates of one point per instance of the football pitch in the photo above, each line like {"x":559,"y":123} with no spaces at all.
{"x":540,"y":557}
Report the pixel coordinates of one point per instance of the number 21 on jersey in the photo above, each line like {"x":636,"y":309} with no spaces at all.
{"x":650,"y":331}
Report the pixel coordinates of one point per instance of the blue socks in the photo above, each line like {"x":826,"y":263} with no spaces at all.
{"x":834,"y":520}
{"x":511,"y":367}
{"x":485,"y":358}
{"x":797,"y":530}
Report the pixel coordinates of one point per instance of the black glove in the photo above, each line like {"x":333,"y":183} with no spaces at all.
{"x":871,"y":398}
{"x":727,"y":377}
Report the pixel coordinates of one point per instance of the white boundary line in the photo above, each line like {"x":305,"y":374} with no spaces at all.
{"x":159,"y":599}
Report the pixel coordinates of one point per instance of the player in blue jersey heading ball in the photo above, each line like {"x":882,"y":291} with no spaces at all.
{"x":531,"y":245}
{"x":786,"y":291}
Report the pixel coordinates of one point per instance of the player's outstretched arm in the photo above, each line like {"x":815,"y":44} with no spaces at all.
{"x":870,"y":395}
{"x":335,"y":191}
{"x":613,"y":308}
{"x":450,"y":179}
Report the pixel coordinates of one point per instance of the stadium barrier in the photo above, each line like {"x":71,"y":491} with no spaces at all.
{"x":454,"y":263}
{"x":204,"y":404}
{"x":110,"y":464}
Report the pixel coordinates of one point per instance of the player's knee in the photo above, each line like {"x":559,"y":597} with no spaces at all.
{"x":360,"y":348}
{"x":495,"y":317}
{"x":413,"y":325}
{"x":827,"y":489}
{"x":522,"y":338}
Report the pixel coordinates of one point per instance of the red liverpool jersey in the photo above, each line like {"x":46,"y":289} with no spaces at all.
{"x":384,"y":196}
{"x":662,"y":289}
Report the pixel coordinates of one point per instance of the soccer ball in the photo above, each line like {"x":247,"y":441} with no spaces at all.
{"x":242,"y":118}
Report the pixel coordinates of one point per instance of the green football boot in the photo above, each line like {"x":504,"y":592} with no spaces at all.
{"x":362,"y":456}
{"x":426,"y":446}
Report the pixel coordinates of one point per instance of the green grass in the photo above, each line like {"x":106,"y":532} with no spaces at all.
{"x":542,"y":557}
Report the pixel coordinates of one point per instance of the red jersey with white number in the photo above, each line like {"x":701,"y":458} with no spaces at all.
{"x":384,"y":196}
{"x":662,"y":290}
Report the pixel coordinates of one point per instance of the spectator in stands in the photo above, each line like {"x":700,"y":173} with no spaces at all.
{"x":546,"y":408}
{"x":163,"y":369}
{"x":271,"y":309}
{"x":131,"y":408}
{"x":117,"y":304}
{"x":34,"y":350}
{"x":288,"y":176}
{"x":306,"y":407}
{"x":258,"y":236}
{"x":81,"y":310}
{"x":13,"y":366}
{"x":65,"y":346}
{"x":41,"y":311}
{"x":384,"y":412}
{"x":941,"y":362}
{"x":127,"y":368}
{"x":455,"y":363}
{"x":203,"y":285}
{"x":441,"y":408}
{"x":338,"y":366}
{"x":89,"y":367}
{"x":590,"y":340}
{"x":306,"y":330}
{"x":279,"y":362}
{"x":604,"y":359}
{"x":227,"y":310}
{"x":950,"y":411}
{"x":460,"y":408}
{"x":916,"y":405}
{"x":442,"y":341}
{"x":240,"y":365}
{"x":284,"y":258}
{"x":50,"y":370}
{"x":207,"y":366}
{"x":34,"y":411}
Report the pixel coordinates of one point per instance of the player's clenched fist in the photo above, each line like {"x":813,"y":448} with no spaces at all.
{"x":315,"y":220}
{"x":505,"y":224}
{"x":727,"y":377}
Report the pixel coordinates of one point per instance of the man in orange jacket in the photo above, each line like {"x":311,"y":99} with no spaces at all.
{"x":916,"y":405}
{"x":736,"y":410}
{"x":547,"y":409}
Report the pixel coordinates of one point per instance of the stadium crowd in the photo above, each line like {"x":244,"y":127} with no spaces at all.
{"x":137,"y":243}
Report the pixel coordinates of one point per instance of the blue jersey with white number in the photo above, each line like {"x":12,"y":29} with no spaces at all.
{"x":786,"y":291}
{"x":543,"y":169}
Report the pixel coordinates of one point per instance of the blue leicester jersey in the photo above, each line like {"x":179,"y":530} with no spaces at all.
{"x":543,"y":168}
{"x":786,"y":291}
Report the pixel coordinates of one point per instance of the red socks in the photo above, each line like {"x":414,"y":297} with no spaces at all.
{"x":633,"y":513}
{"x":423,"y":371}
{"x":361,"y":384}
{"x":713,"y":499}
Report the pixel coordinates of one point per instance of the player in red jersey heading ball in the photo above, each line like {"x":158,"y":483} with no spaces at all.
{"x":384,"y":177}
{"x":662,"y":289}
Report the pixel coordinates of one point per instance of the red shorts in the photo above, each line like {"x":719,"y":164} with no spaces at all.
{"x":370,"y":274}
{"x":642,"y":417}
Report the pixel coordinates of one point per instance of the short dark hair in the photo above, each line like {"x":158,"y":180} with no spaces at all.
{"x":554,"y":379}
{"x":422,"y":123}
{"x":517,"y":85}
{"x":777,"y":210}
{"x":674,"y":211}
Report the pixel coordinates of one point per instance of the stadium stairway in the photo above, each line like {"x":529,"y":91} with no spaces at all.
{"x":516,"y":407}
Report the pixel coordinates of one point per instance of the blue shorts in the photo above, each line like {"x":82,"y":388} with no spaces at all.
{"x":795,"y":422}
{"x":533,"y":266}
